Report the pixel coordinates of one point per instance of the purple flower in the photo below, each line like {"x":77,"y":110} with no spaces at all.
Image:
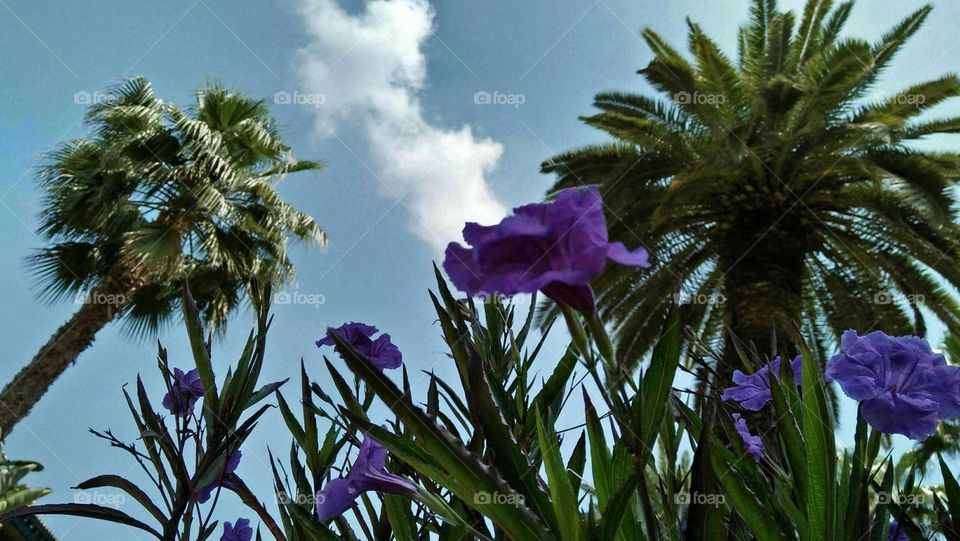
{"x":555,"y":247}
{"x":903,"y":386}
{"x":380,"y":352}
{"x":753,"y":443}
{"x":753,"y":391}
{"x":367,"y":474}
{"x":241,"y":532}
{"x":895,"y":533}
{"x":184,"y":392}
{"x":223,"y":480}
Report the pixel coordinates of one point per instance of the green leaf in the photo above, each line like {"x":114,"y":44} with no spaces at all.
{"x":564,"y":500}
{"x":653,"y":397}
{"x":817,"y":425}
{"x":952,"y":489}
{"x":755,"y":513}
{"x":81,"y":510}
{"x":130,"y":488}
{"x":400,"y":517}
{"x":616,"y":509}
{"x":474,"y":476}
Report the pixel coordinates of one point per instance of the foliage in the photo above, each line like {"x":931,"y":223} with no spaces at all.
{"x":492,"y":460}
{"x":158,"y":193}
{"x":14,"y":494}
{"x":180,"y":462}
{"x":778,"y":187}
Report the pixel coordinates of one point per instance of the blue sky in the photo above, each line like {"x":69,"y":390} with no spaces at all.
{"x":398,"y":128}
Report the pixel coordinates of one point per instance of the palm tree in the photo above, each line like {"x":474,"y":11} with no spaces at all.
{"x":778,"y":189}
{"x":157,"y":195}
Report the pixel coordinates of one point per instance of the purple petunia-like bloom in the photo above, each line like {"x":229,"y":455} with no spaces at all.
{"x":753,"y":391}
{"x":754,"y":444}
{"x":895,"y":533}
{"x":184,"y":392}
{"x":381,"y":352}
{"x":902,"y":385}
{"x":555,"y":247}
{"x":367,"y":474}
{"x":223,"y":481}
{"x":241,"y":531}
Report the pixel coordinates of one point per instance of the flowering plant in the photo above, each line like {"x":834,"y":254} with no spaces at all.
{"x":495,"y":456}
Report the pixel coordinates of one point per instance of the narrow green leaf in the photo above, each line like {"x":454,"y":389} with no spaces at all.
{"x":564,"y":500}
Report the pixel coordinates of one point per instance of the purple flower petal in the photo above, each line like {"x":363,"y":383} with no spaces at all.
{"x":903,"y":386}
{"x":335,"y":498}
{"x":367,"y":474}
{"x":381,"y":352}
{"x":223,"y":480}
{"x":753,"y":444}
{"x":892,"y":413}
{"x":556,"y":247}
{"x":239,"y":532}
{"x":752,"y":391}
{"x":619,"y":253}
{"x":184,"y":392}
{"x":353,"y":333}
{"x":895,"y":533}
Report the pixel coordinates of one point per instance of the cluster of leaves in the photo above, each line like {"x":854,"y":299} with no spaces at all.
{"x":193,"y":453}
{"x":648,"y":462}
{"x":159,"y":192}
{"x":13,"y":493}
{"x":778,"y":180}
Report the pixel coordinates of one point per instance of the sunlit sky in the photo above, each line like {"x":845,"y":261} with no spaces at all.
{"x":388,"y":99}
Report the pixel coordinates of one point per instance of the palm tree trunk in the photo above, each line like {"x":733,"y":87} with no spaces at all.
{"x":62,"y":350}
{"x":763,"y":287}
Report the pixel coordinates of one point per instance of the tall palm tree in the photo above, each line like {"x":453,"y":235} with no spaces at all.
{"x":154,"y":196}
{"x":777,"y":189}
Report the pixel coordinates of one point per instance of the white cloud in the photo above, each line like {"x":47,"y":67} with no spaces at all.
{"x":370,"y":67}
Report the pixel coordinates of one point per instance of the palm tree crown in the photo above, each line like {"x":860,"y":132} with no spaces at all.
{"x":155,"y":196}
{"x":777,"y":189}
{"x":163,"y":194}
